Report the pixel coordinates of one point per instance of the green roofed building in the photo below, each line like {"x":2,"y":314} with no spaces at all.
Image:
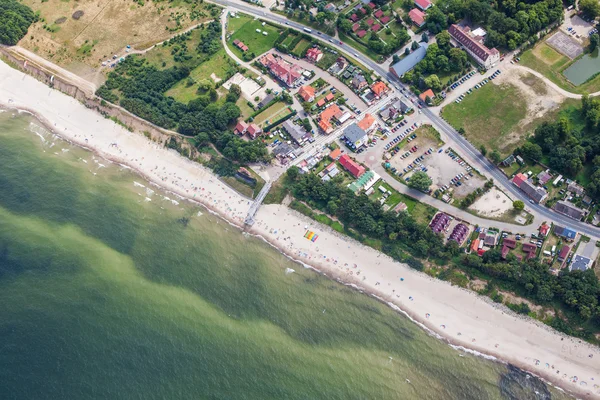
{"x":366,"y":181}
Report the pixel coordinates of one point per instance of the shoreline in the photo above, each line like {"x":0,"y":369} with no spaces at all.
{"x":432,"y":294}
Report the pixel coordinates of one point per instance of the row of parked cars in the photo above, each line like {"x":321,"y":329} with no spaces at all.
{"x":477,"y":86}
{"x":401,"y":124}
{"x":462,"y":80}
{"x":401,"y":136}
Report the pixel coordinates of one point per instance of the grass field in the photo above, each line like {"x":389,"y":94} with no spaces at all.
{"x":489,"y":115}
{"x":327,"y":60}
{"x":257,"y":42}
{"x":233,"y":24}
{"x":551,"y":64}
{"x":289,"y":39}
{"x":218,"y":64}
{"x":301,"y":47}
{"x":108,"y":25}
{"x":273,"y":113}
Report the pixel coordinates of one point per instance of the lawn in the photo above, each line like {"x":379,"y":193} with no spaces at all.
{"x":489,"y":117}
{"x":301,"y":47}
{"x":218,"y":64}
{"x":289,"y":39}
{"x":233,"y":24}
{"x":327,"y":60}
{"x":551,"y":64}
{"x":273,"y":113}
{"x":360,"y":47}
{"x":257,"y":42}
{"x":245,"y":109}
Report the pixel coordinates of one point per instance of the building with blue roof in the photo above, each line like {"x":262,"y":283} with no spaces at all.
{"x":564,"y":232}
{"x":409,"y":62}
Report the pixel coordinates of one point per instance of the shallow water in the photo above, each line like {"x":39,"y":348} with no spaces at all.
{"x":108,"y":290}
{"x":583,"y":69}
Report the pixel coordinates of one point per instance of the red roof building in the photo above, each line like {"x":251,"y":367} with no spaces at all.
{"x":423,"y":4}
{"x":253,"y":131}
{"x":333,"y":111}
{"x":428,"y":93}
{"x":321,"y":103}
{"x":529,"y":247}
{"x":510,"y":243}
{"x":355,"y":27}
{"x":379,"y":88}
{"x":504,"y":252}
{"x":361,"y":34}
{"x":544,"y":229}
{"x":475,"y":245}
{"x":367,"y":123}
{"x":474,"y":46}
{"x":335,"y":154}
{"x":564,"y":252}
{"x":372,"y":5}
{"x":314,"y":54}
{"x":329,"y":97}
{"x":307,"y":93}
{"x":241,"y":127}
{"x":376,"y":27}
{"x":354,"y":18}
{"x":378,"y":14}
{"x":286,"y":72}
{"x":352,"y":166}
{"x":385,"y":20}
{"x":417,"y":17}
{"x":519,"y":179}
{"x":370,"y":21}
{"x":362,"y":10}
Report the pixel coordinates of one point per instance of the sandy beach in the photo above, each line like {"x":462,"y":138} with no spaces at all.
{"x":457,"y":315}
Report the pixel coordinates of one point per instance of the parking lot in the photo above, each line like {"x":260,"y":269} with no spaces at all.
{"x":478,"y":85}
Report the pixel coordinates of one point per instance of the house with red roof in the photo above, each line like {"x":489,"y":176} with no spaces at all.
{"x":329,"y":97}
{"x":321,"y":103}
{"x":474,"y":46}
{"x":241,"y":127}
{"x":331,"y":112}
{"x":307,"y":93}
{"x":368,"y":123}
{"x":544,"y":229}
{"x":335,"y":154}
{"x":564,"y":252}
{"x":379,"y":88}
{"x":362,"y":10}
{"x":253,"y":131}
{"x":314,"y":54}
{"x":385,"y":20}
{"x":428,"y":93}
{"x":372,"y":5}
{"x":354,"y":17}
{"x":519,"y":179}
{"x":376,"y":27}
{"x":423,"y":4}
{"x":504,"y":252}
{"x":355,"y":27}
{"x":417,"y":17}
{"x":355,"y":169}
{"x":370,"y":21}
{"x":378,"y":14}
{"x":361,"y":34}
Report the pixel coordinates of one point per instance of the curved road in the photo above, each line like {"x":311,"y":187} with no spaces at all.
{"x":462,"y":144}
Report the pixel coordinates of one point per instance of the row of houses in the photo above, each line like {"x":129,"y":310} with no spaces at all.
{"x":473,"y":43}
{"x":252,"y":130}
{"x":535,"y":193}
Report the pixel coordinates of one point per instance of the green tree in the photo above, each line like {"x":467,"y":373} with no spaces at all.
{"x":589,"y":8}
{"x":518,"y":205}
{"x":15,"y":19}
{"x":533,"y":151}
{"x":406,"y":51}
{"x":495,"y":156}
{"x":594,"y":40}
{"x":414,"y":45}
{"x":420,"y":181}
{"x":483,"y":150}
{"x":424,"y":37}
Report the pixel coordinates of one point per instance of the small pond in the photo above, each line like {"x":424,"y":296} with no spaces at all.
{"x":583,"y":69}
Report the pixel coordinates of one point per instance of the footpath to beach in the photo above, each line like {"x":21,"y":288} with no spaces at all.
{"x":457,"y":315}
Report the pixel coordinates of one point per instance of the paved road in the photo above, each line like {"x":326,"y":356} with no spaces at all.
{"x":467,"y":150}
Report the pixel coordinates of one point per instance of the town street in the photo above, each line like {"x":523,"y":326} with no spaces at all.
{"x":454,"y":139}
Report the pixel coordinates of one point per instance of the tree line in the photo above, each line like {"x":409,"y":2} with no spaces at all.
{"x":15,"y":19}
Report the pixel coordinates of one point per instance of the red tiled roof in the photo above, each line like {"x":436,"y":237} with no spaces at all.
{"x":355,"y":27}
{"x":544,"y":229}
{"x":461,"y":36}
{"x":335,"y":154}
{"x":379,"y":88}
{"x":351,"y":166}
{"x":367,"y":122}
{"x":253,"y":130}
{"x":385,"y":19}
{"x":510,"y":243}
{"x":241,"y":127}
{"x":378,"y":13}
{"x":423,"y":3}
{"x":519,"y":179}
{"x":370,"y":21}
{"x":428,"y":93}
{"x":362,"y":10}
{"x":306,"y":92}
{"x":313,"y":53}
{"x":354,"y":17}
{"x":361,"y":34}
{"x":417,"y":16}
{"x":372,"y":5}
{"x":376,"y":27}
{"x":329,"y":97}
{"x":321,"y":103}
{"x":564,"y":252}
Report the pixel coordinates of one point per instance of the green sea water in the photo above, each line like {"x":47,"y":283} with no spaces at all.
{"x":108,"y":290}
